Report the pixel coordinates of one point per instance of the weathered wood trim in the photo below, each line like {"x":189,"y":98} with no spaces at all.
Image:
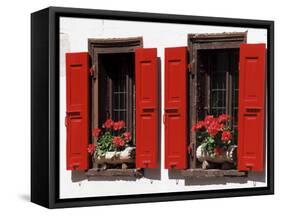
{"x":225,"y":40}
{"x":129,"y":43}
{"x":191,"y":104}
{"x":217,"y":37}
{"x":137,"y":173}
{"x":212,"y":173}
{"x":107,"y":50}
{"x":218,"y":45}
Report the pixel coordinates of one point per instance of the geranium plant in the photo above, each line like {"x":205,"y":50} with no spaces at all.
{"x":111,"y":137}
{"x":214,"y":134}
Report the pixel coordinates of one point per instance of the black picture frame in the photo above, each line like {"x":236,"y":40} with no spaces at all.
{"x":45,"y":106}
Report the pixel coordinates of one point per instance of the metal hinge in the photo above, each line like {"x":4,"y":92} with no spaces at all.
{"x":189,"y":68}
{"x":66,"y":121}
{"x":75,"y":166}
{"x":93,"y":71}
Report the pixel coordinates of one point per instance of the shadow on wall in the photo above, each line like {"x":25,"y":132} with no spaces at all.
{"x":175,"y":174}
{"x":258,"y":176}
{"x":155,"y":174}
{"x":255,"y":177}
{"x":112,"y":178}
{"x":215,"y":181}
{"x":77,"y":176}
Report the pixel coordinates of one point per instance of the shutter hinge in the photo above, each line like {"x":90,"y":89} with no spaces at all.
{"x":66,"y":121}
{"x":93,"y":71}
{"x":146,"y":163}
{"x":189,"y":68}
{"x":249,"y":166}
{"x":75,"y":166}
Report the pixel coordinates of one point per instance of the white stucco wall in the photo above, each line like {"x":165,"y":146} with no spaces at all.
{"x":74,"y":34}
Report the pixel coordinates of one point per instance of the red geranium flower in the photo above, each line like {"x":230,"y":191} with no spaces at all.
{"x":96,"y":132}
{"x":208,"y":120}
{"x":115,"y":126}
{"x":118,"y":125}
{"x":223,"y":118}
{"x":108,"y":123}
{"x":214,"y":127}
{"x":226,"y":136}
{"x":199,"y":125}
{"x":213,"y":131}
{"x":121,"y":124}
{"x":127,"y":136}
{"x":118,"y":141}
{"x":91,"y":148}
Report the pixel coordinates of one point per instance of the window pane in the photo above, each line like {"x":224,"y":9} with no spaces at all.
{"x":119,"y":93}
{"x":219,"y":69}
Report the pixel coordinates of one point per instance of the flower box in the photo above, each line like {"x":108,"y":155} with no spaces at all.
{"x":229,"y":155}
{"x":124,"y":158}
{"x":113,"y":148}
{"x":216,"y":142}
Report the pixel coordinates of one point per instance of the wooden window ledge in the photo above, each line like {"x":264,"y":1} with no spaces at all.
{"x":203,"y":173}
{"x":137,"y":173}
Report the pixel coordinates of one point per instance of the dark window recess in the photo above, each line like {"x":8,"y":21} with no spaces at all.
{"x":117,"y":88}
{"x":217,"y":83}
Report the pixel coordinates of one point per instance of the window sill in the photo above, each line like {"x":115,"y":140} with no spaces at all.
{"x":137,"y":173}
{"x":209,"y":173}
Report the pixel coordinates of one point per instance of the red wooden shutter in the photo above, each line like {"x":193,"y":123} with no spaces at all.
{"x":175,"y":108}
{"x":251,"y":122}
{"x":77,"y":110}
{"x":146,"y":108}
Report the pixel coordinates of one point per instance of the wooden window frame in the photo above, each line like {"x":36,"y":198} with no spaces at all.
{"x":98,"y":46}
{"x":196,"y":42}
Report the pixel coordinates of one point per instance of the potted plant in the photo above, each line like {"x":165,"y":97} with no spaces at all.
{"x":217,"y":141}
{"x":113,"y":145}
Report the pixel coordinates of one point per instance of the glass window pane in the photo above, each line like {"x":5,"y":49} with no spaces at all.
{"x":219,"y":68}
